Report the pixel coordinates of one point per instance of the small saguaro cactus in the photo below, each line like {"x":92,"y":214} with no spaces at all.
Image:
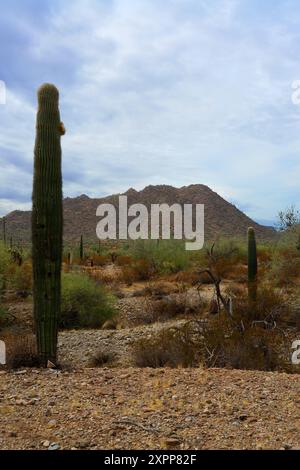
{"x":81,"y":251}
{"x":4,"y":230}
{"x":47,"y":222}
{"x":252,"y":264}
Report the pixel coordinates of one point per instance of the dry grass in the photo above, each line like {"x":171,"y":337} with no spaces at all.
{"x":21,"y":351}
{"x":102,"y":359}
{"x":139,"y":270}
{"x":170,"y":348}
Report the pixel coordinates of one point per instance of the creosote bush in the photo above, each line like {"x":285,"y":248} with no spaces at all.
{"x":85,"y":303}
{"x":253,"y":338}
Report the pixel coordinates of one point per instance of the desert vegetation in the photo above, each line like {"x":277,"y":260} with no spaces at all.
{"x":232,"y":304}
{"x":70,"y":305}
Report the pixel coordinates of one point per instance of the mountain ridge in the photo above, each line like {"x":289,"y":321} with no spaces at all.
{"x":222,"y":218}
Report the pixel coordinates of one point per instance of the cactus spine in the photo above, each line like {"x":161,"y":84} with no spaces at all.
{"x":252,"y":265}
{"x":47,"y":222}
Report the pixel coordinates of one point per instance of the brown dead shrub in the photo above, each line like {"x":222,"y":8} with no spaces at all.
{"x":100,"y":260}
{"x":169,"y":348}
{"x":285,"y":269}
{"x":102,"y":359}
{"x":254,"y":338}
{"x":170,"y":307}
{"x":189,"y":278}
{"x":140,"y":270}
{"x":124,"y":260}
{"x":21,"y":351}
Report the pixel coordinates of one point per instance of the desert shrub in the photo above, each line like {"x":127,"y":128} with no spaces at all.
{"x":285,"y":267}
{"x":84,"y":302}
{"x":189,"y":277}
{"x":226,"y":256}
{"x":21,"y":351}
{"x":173,"y":348}
{"x":5,"y":261}
{"x":171,"y":307}
{"x":168,"y":308}
{"x":4,"y":317}
{"x":107,"y":276}
{"x":102,"y":359}
{"x":100,"y":260}
{"x":264,"y":254}
{"x":256,"y":347}
{"x":124,"y":260}
{"x":165,"y":256}
{"x":252,"y":339}
{"x":139,"y":270}
{"x":20,"y":277}
{"x":159,"y":289}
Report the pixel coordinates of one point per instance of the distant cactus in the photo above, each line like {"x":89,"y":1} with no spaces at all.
{"x":4,"y":230}
{"x":81,"y":250}
{"x":47,"y":222}
{"x":252,"y":264}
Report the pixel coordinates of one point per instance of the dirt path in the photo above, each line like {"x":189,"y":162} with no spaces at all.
{"x":147,"y":409}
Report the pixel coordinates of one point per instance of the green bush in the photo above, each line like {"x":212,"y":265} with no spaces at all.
{"x":284,"y":268}
{"x":165,"y":256}
{"x":4,"y":265}
{"x":84,"y":302}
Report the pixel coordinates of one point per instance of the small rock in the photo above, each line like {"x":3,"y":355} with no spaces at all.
{"x":45,"y":443}
{"x":50,"y":365}
{"x":84,"y":444}
{"x":54,"y":446}
{"x":171,"y":442}
{"x":21,"y":402}
{"x":243,"y":417}
{"x":13,"y":434}
{"x":287,"y":446}
{"x":109,"y":325}
{"x":52,"y":423}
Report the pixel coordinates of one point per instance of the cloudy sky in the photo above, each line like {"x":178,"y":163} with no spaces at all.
{"x":156,"y":92}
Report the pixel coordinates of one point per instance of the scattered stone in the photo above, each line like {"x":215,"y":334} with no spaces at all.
{"x":84,"y":444}
{"x":52,"y":423}
{"x":243,"y":417}
{"x":287,"y":446}
{"x":50,"y":365}
{"x":171,"y":442}
{"x":54,"y":446}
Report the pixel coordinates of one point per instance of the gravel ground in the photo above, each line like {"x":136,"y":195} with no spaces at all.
{"x":79,"y":347}
{"x":149,"y":409}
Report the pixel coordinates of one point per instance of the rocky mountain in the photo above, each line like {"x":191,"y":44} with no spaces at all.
{"x":221,"y":217}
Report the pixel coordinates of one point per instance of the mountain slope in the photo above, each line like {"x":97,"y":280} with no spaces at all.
{"x":221,"y":217}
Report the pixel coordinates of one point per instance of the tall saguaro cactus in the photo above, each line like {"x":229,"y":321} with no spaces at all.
{"x":47,"y":222}
{"x":252,"y":265}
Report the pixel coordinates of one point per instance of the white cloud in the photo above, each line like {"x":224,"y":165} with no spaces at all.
{"x":174,"y":92}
